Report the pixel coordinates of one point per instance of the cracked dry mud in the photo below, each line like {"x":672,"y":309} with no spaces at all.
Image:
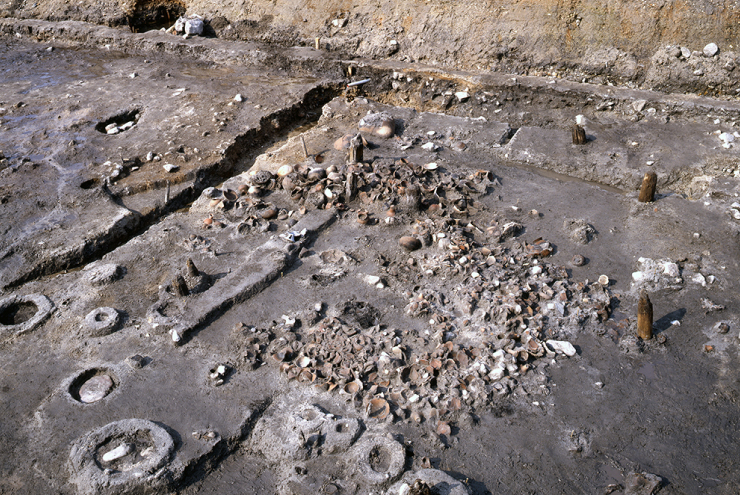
{"x":248,"y":323}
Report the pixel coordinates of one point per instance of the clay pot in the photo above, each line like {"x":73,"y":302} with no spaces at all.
{"x":409,"y":243}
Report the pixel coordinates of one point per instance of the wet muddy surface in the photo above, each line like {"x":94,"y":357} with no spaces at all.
{"x":457,"y":306}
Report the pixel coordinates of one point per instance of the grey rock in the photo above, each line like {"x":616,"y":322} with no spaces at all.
{"x":642,"y":484}
{"x":562,"y":347}
{"x":95,"y":388}
{"x":711,"y":50}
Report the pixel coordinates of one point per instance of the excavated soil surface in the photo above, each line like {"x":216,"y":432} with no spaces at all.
{"x":459,"y":307}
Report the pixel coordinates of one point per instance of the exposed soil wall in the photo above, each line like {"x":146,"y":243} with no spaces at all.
{"x":609,"y":41}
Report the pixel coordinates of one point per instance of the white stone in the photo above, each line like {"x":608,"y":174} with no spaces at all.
{"x":535,"y":270}
{"x":603,"y":280}
{"x":117,"y":453}
{"x":685,"y":52}
{"x":497,"y":373}
{"x":670,"y":269}
{"x":562,"y":347}
{"x":430,"y":146}
{"x":149,"y":156}
{"x":580,"y":119}
{"x":170,"y":168}
{"x":638,"y":105}
{"x":239,"y":98}
{"x":699,"y":279}
{"x":711,"y":50}
{"x":462,"y":95}
{"x":372,"y":279}
{"x":194,"y":26}
{"x":221,"y":370}
{"x":726,"y":137}
{"x":95,"y":388}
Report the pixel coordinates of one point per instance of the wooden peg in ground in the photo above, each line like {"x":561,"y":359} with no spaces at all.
{"x":355,"y":149}
{"x":647,"y":191}
{"x":644,"y":317}
{"x":579,"y":135}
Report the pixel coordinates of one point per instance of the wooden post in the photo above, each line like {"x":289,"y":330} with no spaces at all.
{"x":192,"y":269}
{"x":644,"y":317}
{"x":355,"y":149}
{"x":579,"y":135}
{"x":647,"y":191}
{"x":305,"y":149}
{"x":351,"y":186}
{"x":317,"y":43}
{"x":180,"y":287}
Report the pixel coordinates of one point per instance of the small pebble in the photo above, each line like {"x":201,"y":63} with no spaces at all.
{"x":136,"y":361}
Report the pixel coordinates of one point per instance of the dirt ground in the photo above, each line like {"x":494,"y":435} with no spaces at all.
{"x":199,"y":293}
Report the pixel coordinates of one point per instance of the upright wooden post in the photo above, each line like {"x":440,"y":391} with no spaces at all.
{"x":192,"y":269}
{"x":355,"y":149}
{"x":647,"y":191}
{"x":644,"y":317}
{"x":180,"y":287}
{"x":579,"y":135}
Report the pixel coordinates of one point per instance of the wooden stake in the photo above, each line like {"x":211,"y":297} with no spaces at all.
{"x":305,"y":150}
{"x":167,"y":193}
{"x":180,"y":287}
{"x":192,"y":269}
{"x":351,"y":186}
{"x":317,"y":43}
{"x":355,"y":149}
{"x":644,"y":317}
{"x":647,"y":191}
{"x":579,"y":135}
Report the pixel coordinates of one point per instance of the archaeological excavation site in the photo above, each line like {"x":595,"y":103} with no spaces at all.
{"x":393,"y":248}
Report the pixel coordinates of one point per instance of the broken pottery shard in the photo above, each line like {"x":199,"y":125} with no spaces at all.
{"x":95,"y":389}
{"x":409,"y":243}
{"x":117,"y":453}
{"x":343,"y":142}
{"x":381,"y":124}
{"x":562,"y":347}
